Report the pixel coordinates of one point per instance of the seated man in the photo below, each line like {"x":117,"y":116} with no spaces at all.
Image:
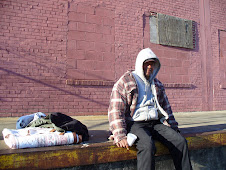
{"x":139,"y":105}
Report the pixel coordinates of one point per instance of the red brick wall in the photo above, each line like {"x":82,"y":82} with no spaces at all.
{"x":33,"y":52}
{"x":218,"y":28}
{"x":90,"y":42}
{"x":43,"y":44}
{"x":222,"y":35}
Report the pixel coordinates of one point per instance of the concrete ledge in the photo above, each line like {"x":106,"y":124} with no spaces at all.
{"x":94,"y":153}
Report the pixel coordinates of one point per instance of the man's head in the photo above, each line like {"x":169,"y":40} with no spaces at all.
{"x":147,"y":65}
{"x":148,"y":68}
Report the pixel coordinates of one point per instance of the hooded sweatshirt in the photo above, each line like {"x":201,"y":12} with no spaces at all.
{"x":125,"y":94}
{"x":147,"y":107}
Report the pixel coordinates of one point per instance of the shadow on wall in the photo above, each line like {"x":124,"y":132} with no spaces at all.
{"x":49,"y":85}
{"x":33,"y":60}
{"x":59,"y":72}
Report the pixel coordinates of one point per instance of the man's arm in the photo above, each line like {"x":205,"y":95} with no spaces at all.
{"x":166,"y":106}
{"x":164,"y":103}
{"x":116,"y":115}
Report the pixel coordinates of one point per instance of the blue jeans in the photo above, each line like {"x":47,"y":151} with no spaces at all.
{"x":147,"y":132}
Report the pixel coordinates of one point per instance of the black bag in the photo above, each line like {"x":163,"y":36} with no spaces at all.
{"x":69,"y":124}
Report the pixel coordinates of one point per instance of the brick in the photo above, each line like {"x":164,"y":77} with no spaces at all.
{"x":94,"y":19}
{"x":103,"y":29}
{"x":86,"y":64}
{"x":168,"y":69}
{"x":71,"y":45}
{"x":93,"y":55}
{"x":175,"y":63}
{"x":109,"y":56}
{"x":73,"y":26}
{"x":186,"y":79}
{"x":223,"y":45}
{"x":84,"y":45}
{"x":87,"y":27}
{"x":181,"y":71}
{"x":164,"y":78}
{"x":100,"y":75}
{"x":100,"y":46}
{"x":109,"y":48}
{"x":103,"y":65}
{"x":85,"y":9}
{"x":108,"y":38}
{"x":108,"y":75}
{"x":71,"y":64}
{"x":176,"y":78}
{"x":160,"y":54}
{"x":76,"y":35}
{"x":75,"y":54}
{"x":182,"y":55}
{"x":170,"y":54}
{"x":74,"y":16}
{"x":100,"y":11}
{"x":109,"y":22}
{"x":5,"y":114}
{"x":94,"y":37}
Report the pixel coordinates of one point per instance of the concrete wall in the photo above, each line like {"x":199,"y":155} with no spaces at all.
{"x":46,"y":47}
{"x":208,"y":159}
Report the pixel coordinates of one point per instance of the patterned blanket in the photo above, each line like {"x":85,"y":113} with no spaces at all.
{"x":33,"y":137}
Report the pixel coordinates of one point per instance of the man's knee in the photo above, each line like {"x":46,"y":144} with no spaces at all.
{"x":147,"y":146}
{"x":182,"y":141}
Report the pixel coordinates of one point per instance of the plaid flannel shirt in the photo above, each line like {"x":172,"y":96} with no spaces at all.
{"x":123,"y":102}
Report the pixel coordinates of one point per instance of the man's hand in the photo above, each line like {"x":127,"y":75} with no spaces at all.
{"x":123,"y":144}
{"x":166,"y":123}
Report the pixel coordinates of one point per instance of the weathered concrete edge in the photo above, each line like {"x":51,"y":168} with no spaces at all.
{"x":77,"y":155}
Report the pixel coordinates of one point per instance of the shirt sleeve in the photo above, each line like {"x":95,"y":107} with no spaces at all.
{"x":164,"y":103}
{"x":116,"y":113}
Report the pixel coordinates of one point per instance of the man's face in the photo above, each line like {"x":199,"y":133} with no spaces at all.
{"x":148,"y":68}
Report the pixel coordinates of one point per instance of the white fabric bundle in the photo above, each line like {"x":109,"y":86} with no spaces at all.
{"x":33,"y":137}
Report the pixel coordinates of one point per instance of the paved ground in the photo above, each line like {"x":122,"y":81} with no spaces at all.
{"x":189,"y":122}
